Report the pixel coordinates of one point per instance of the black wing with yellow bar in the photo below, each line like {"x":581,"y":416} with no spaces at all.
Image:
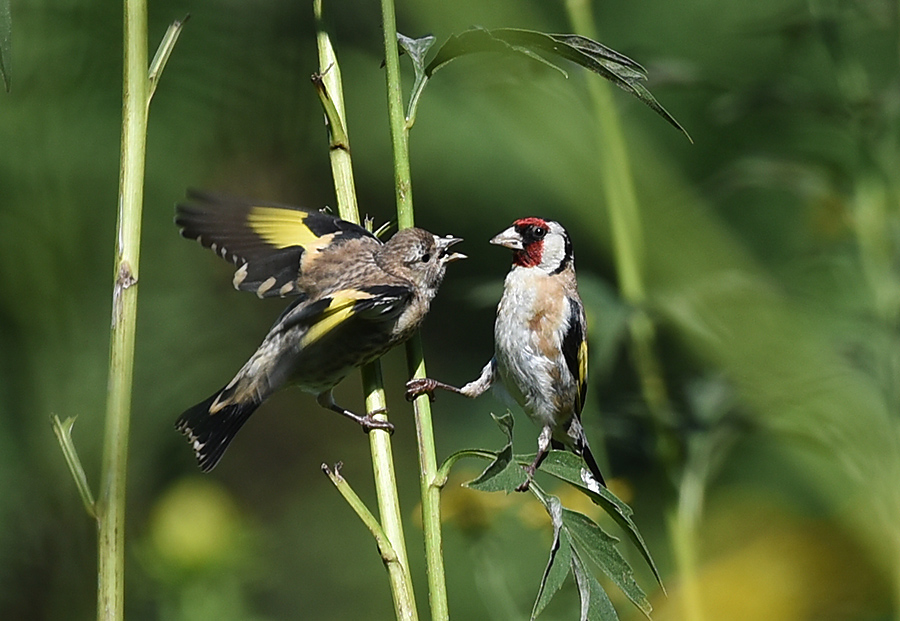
{"x":266,"y":241}
{"x":575,"y":351}
{"x":374,"y":303}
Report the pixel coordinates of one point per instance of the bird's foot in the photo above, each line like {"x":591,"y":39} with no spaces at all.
{"x":529,"y":475}
{"x":369,"y":422}
{"x":421,"y":386}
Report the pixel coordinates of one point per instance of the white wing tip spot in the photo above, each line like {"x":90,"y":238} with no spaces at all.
{"x":240,"y":275}
{"x":267,"y":284}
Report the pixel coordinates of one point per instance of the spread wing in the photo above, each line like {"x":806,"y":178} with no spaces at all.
{"x":575,"y":350}
{"x":266,"y":241}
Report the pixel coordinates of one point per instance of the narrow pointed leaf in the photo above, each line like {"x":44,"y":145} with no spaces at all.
{"x":560,"y":559}
{"x":595,"y":604}
{"x":63,"y":431}
{"x":596,"y":57}
{"x":163,"y":52}
{"x":597,"y":547}
{"x":568,"y":467}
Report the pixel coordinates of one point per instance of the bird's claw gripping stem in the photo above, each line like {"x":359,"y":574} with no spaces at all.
{"x":421,"y":386}
{"x":369,"y":422}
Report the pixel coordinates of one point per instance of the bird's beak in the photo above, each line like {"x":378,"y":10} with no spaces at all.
{"x":509,"y":239}
{"x":443,"y":244}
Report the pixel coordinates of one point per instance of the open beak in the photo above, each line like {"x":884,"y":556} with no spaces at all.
{"x":443,"y":245}
{"x":509,"y":239}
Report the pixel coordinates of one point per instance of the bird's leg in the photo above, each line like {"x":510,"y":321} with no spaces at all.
{"x":416,"y":387}
{"x":426,"y":385}
{"x":367,"y":422}
{"x":543,"y":449}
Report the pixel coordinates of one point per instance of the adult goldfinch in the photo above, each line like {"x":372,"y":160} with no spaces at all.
{"x":358,"y":297}
{"x":540,"y":349}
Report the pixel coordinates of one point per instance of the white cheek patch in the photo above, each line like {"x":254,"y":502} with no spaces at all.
{"x":554,"y":250}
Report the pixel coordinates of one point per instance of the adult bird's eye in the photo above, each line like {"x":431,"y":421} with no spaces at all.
{"x":426,"y":258}
{"x":539,"y":231}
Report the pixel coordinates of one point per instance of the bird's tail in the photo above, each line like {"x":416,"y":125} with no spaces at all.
{"x":582,"y":448}
{"x":210,"y":433}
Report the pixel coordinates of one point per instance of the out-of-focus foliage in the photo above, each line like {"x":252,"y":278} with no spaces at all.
{"x":771,"y":270}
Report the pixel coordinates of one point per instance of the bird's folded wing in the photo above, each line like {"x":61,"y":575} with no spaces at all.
{"x":322,"y":316}
{"x":575,"y":351}
{"x":266,"y":241}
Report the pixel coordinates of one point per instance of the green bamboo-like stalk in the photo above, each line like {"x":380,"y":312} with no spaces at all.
{"x":405,"y":607}
{"x":328,"y":82}
{"x":430,"y":488}
{"x":111,"y":498}
{"x":628,"y":249}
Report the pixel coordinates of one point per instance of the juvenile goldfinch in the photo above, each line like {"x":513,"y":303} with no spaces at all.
{"x":358,"y":297}
{"x":540,"y":349}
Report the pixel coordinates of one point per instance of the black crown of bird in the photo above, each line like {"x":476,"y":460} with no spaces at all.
{"x":356,"y":298}
{"x":540,"y":343}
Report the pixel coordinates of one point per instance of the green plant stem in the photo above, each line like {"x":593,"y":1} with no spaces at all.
{"x":399,"y":132}
{"x":430,"y":485}
{"x":628,"y":242}
{"x":329,"y":85}
{"x":395,"y":565}
{"x":628,"y":247}
{"x":683,"y":535}
{"x":110,"y":504}
{"x":430,"y":489}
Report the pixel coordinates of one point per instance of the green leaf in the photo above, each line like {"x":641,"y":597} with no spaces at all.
{"x":560,"y":559}
{"x":163,"y":52}
{"x":506,"y":422}
{"x":482,"y":40}
{"x":568,"y":467}
{"x":417,"y":49}
{"x":503,"y":474}
{"x":595,"y":604}
{"x":63,"y":431}
{"x":591,"y":543}
{"x":596,"y":57}
{"x":5,"y":38}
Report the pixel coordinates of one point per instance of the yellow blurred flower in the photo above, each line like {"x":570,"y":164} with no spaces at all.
{"x":194,"y":524}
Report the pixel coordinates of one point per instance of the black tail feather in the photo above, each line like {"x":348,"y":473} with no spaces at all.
{"x":584,"y":451}
{"x":210,"y":434}
{"x":592,"y":463}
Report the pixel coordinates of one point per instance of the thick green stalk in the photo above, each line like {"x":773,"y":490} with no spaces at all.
{"x":430,"y":488}
{"x":405,"y":605}
{"x":328,"y":81}
{"x":628,"y":246}
{"x":396,"y":116}
{"x":627,"y":238}
{"x":111,"y":499}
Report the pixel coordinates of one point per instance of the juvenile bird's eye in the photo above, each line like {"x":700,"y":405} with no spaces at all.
{"x":426,"y":258}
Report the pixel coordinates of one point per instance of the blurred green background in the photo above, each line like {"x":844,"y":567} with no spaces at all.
{"x":772,"y":263}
